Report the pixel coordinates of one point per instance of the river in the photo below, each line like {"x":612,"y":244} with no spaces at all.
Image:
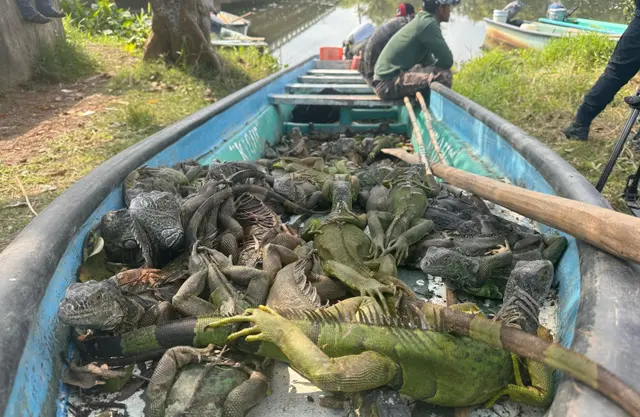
{"x":296,"y":29}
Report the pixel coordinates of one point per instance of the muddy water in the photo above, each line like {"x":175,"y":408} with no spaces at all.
{"x":296,"y":29}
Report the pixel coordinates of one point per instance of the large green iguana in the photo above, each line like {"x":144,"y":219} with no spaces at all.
{"x":403,"y":222}
{"x":344,"y":248}
{"x":438,"y":355}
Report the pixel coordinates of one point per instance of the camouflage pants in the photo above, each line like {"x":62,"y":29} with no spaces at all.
{"x":408,"y":83}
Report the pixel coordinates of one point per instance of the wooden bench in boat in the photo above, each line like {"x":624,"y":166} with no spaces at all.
{"x":369,"y":100}
{"x":301,"y":88}
{"x":332,"y":79}
{"x":335,"y":72}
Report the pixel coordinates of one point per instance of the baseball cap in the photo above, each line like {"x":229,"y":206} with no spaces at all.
{"x":405,"y":9}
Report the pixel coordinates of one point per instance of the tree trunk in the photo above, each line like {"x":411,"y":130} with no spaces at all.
{"x":181,"y":30}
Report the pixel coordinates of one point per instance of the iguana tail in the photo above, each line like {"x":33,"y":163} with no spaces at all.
{"x":151,"y":341}
{"x":525,"y":345}
{"x":249,"y":188}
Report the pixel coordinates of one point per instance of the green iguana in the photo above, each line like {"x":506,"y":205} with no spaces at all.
{"x":345,"y":249}
{"x":438,"y":355}
{"x":403,"y":222}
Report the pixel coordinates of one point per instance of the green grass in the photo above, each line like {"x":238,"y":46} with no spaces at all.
{"x":540,"y":90}
{"x":64,"y":61}
{"x":140,"y":98}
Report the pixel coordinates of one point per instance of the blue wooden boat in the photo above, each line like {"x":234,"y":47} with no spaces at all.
{"x":597,"y":292}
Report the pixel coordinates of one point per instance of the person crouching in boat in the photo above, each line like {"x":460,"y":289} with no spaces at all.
{"x":381,"y":36}
{"x":416,"y":55}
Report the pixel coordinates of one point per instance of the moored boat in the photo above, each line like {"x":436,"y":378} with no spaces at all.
{"x":230,"y":38}
{"x":598,"y":26}
{"x":530,"y":34}
{"x":43,"y":260}
{"x":229,"y":21}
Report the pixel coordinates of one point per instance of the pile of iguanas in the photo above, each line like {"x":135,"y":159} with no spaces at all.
{"x":215,"y":278}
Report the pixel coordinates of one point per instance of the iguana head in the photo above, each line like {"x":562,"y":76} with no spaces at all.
{"x":159,"y":214}
{"x":343,"y":189}
{"x":120,"y":244}
{"x":286,"y":186}
{"x":149,"y":179}
{"x":445,"y":262}
{"x":92,"y":305}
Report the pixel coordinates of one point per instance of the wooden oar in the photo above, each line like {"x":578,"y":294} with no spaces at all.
{"x":240,"y":18}
{"x":613,"y":232}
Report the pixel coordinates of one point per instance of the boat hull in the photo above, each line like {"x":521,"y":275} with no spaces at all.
{"x":43,"y":260}
{"x":587,"y":25}
{"x":499,"y":33}
{"x":504,"y":34}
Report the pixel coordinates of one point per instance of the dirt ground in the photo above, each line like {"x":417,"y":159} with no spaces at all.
{"x":32,"y":118}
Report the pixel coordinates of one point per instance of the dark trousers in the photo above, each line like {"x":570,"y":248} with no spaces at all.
{"x":622,"y":66}
{"x":27,"y":9}
{"x":407,"y":84}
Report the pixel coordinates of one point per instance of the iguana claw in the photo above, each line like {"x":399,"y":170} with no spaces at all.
{"x":377,"y":247}
{"x":400,"y":246}
{"x":268,"y":326}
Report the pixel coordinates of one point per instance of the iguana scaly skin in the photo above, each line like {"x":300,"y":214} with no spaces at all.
{"x":344,"y":248}
{"x":292,"y":289}
{"x":527,"y":286}
{"x":481,"y":276}
{"x":189,"y":381}
{"x":145,"y":179}
{"x":149,"y":229}
{"x":300,"y":191}
{"x":130,"y":299}
{"x":261,"y":226}
{"x":447,"y":357}
{"x":403,"y":222}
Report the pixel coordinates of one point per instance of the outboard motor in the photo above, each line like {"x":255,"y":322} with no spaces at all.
{"x":357,"y":40}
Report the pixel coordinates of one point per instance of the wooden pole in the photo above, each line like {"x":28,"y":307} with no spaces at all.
{"x":431,"y":181}
{"x":432,"y":133}
{"x":613,"y":232}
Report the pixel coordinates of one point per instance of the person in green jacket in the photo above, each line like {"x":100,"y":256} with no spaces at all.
{"x":416,"y":55}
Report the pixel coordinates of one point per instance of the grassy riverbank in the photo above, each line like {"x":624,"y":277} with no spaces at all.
{"x":93,"y":97}
{"x":539,"y":91}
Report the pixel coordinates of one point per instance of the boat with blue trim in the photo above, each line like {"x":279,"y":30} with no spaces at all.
{"x":596,"y":291}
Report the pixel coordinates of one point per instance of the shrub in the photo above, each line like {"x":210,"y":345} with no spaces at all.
{"x":105,"y":18}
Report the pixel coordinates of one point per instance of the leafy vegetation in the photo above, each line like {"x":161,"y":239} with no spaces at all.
{"x":540,"y":90}
{"x":105,"y":18}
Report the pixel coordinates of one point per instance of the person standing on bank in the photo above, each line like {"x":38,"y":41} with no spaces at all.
{"x":381,"y":36}
{"x":623,"y":65}
{"x":40,"y":15}
{"x":416,"y":55}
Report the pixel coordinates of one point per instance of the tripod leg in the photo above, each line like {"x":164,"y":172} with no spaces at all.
{"x":617,"y":149}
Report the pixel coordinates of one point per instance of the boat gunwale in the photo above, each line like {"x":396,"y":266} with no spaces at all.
{"x":606,"y":282}
{"x":33,"y":256}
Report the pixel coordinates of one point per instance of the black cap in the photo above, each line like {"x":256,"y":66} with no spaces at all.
{"x":405,"y":9}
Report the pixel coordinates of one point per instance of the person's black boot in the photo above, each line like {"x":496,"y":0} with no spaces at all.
{"x":577,"y":131}
{"x":633,"y":101}
{"x":37,"y":18}
{"x":51,"y":12}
